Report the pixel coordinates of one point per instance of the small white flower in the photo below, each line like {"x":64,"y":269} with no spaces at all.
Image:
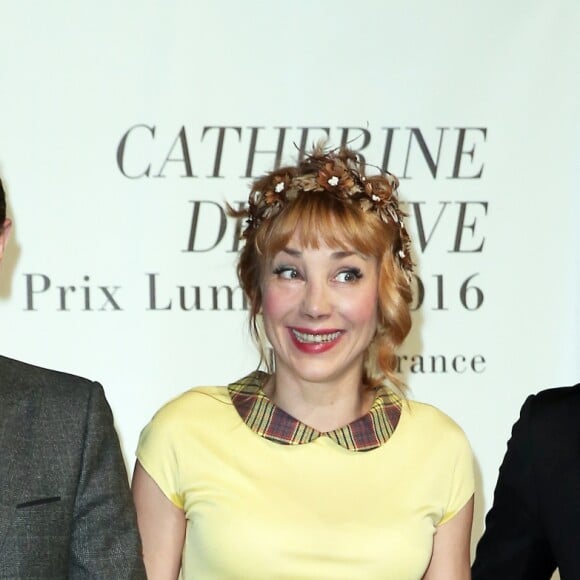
{"x":279,"y":187}
{"x":333,"y":181}
{"x":375,"y":197}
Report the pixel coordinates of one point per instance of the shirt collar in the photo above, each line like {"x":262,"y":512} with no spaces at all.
{"x":269,"y":421}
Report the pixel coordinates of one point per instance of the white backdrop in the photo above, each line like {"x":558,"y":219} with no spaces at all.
{"x":120,"y":121}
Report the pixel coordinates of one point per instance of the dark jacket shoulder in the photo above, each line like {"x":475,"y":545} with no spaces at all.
{"x":556,"y":400}
{"x":14,"y":369}
{"x":16,"y":376}
{"x":553,"y":413}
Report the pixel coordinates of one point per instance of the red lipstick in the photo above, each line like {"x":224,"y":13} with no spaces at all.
{"x":314,"y":341}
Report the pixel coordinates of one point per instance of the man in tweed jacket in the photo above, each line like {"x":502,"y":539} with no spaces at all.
{"x":65,"y":505}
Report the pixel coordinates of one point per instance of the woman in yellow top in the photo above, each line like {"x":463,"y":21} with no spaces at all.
{"x":318,"y":469}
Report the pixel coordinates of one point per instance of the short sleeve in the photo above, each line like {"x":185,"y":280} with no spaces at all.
{"x":157,"y":452}
{"x":462,"y":484}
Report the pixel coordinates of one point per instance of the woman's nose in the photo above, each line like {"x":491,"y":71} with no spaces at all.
{"x":316,"y":300}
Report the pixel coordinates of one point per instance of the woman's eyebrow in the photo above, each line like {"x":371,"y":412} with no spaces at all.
{"x":346,"y":254}
{"x":291,"y":252}
{"x":338,"y":255}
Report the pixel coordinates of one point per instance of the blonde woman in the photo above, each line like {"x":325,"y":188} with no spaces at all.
{"x":318,"y":468}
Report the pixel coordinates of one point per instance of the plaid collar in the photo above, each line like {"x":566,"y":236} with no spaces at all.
{"x":269,"y":421}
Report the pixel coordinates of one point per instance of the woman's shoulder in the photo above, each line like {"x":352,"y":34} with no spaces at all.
{"x":429,"y":417}
{"x":194,"y":411}
{"x":205,"y":401}
{"x":432,"y":432}
{"x":195,"y":414}
{"x":194,"y":400}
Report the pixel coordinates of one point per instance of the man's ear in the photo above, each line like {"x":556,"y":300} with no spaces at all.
{"x":4,"y":235}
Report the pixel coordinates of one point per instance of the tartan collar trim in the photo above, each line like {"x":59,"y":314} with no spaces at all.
{"x":269,"y":421}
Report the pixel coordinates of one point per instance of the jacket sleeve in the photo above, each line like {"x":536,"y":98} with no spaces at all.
{"x":105,"y":542}
{"x":514,"y":546}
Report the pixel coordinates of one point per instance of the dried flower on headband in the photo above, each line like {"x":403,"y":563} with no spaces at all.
{"x":340,"y":173}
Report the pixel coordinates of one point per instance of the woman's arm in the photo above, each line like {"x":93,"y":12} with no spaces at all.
{"x":161,"y":525}
{"x":450,"y":558}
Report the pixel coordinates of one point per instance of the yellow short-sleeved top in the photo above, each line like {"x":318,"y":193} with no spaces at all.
{"x":268,"y":497}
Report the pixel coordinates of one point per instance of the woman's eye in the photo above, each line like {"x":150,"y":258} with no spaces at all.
{"x":286,"y":272}
{"x":351,"y":275}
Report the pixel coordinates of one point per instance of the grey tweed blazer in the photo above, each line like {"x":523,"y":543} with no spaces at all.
{"x":65,"y":505}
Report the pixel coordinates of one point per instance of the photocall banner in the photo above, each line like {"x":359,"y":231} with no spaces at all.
{"x":127,"y":127}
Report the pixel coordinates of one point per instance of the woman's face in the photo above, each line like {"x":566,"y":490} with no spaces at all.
{"x":320,"y":311}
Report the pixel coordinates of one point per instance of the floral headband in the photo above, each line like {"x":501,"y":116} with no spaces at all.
{"x":340,"y":173}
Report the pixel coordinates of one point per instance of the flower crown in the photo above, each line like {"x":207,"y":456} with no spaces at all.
{"x":339,"y":173}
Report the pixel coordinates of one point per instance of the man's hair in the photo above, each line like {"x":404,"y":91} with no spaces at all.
{"x":2,"y":205}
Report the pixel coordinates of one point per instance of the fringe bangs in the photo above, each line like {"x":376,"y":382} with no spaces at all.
{"x":320,"y":218}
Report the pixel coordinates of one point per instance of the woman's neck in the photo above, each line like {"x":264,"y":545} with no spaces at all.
{"x":322,"y":406}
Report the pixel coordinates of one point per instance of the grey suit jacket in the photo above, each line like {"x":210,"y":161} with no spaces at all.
{"x":65,"y":506}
